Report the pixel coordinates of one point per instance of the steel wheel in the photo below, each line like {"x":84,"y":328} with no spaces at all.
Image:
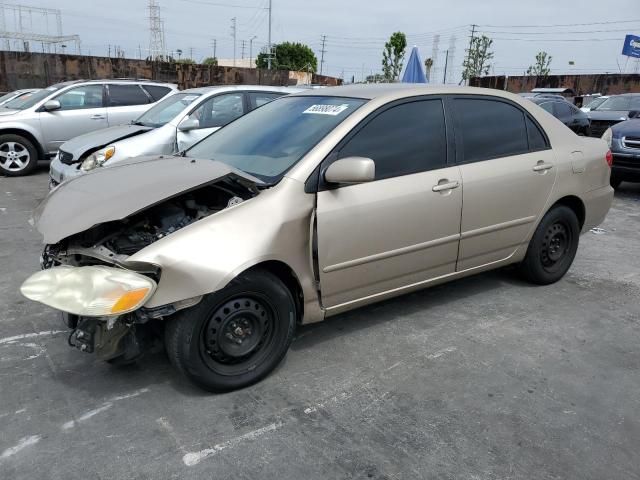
{"x":237,"y":334}
{"x":14,"y":157}
{"x":555,"y":245}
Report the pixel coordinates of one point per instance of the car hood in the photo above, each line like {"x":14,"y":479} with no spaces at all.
{"x":6,"y":111}
{"x":114,"y":193}
{"x":613,"y":115}
{"x":101,"y":138}
{"x":628,"y":127}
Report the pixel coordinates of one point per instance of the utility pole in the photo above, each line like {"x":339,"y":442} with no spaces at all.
{"x":191,"y":53}
{"x":269,"y":40}
{"x":473,"y":32}
{"x":242,"y":50}
{"x":251,"y":50}
{"x":214,"y":44}
{"x":446,"y":61}
{"x":233,"y":34}
{"x":322,"y":52}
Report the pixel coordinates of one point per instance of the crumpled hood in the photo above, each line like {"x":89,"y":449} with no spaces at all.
{"x":100,"y":138}
{"x":109,"y":194}
{"x":613,"y":115}
{"x":628,"y":127}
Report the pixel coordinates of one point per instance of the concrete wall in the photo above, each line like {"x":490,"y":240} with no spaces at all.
{"x":23,"y":70}
{"x":606,"y":84}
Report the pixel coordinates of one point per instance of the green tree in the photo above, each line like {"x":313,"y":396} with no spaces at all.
{"x":542,"y":65}
{"x":478,"y":57}
{"x":393,"y":56}
{"x":188,"y":61}
{"x":290,"y":56}
{"x":210,"y":61}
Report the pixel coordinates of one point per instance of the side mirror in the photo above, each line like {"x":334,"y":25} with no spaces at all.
{"x":189,"y":124}
{"x":634,"y":114}
{"x":51,"y":105}
{"x":351,"y":170}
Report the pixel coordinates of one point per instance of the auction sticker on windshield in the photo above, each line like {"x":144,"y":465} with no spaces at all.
{"x":327,"y":109}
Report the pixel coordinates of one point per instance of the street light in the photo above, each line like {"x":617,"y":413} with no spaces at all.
{"x":179,"y":52}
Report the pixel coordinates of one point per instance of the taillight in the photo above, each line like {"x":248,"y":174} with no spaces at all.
{"x":609,"y":158}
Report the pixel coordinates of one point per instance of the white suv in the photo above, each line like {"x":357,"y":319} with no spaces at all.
{"x":34,"y":125}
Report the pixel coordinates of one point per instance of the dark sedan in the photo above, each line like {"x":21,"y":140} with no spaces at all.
{"x":624,"y":141}
{"x":567,"y":113}
{"x":613,"y":110}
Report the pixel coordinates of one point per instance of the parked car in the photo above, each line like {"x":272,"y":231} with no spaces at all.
{"x":593,"y":103}
{"x":312,"y":205}
{"x":624,"y":140}
{"x":567,"y":113}
{"x":172,"y":125}
{"x":34,"y":125}
{"x":613,"y":110}
{"x":531,"y":95}
{"x":7,"y":97}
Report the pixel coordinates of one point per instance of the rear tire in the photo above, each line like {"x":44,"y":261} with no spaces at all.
{"x":553,"y":247}
{"x":18,"y":155}
{"x":235,"y":337}
{"x":615,"y":182}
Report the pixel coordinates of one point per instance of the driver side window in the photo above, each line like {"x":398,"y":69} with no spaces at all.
{"x":219,"y":110}
{"x":87,"y":96}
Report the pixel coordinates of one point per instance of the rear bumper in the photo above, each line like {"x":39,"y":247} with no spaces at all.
{"x":597,"y":204}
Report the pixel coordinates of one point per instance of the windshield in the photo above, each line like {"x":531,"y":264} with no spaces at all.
{"x":594,"y":102}
{"x":28,"y":100}
{"x":7,"y":96}
{"x":166,"y":110}
{"x":619,"y":103}
{"x":271,"y":139}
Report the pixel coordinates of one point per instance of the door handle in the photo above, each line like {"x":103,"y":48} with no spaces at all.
{"x":441,"y":187}
{"x":541,"y":167}
{"x":97,"y":117}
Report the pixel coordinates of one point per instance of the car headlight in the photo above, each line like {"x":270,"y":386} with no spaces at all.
{"x":607,"y":136}
{"x":98,"y":158}
{"x":92,"y":291}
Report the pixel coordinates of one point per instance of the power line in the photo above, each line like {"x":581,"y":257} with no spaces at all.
{"x":563,"y":24}
{"x":558,"y":33}
{"x":216,"y":4}
{"x":559,"y":39}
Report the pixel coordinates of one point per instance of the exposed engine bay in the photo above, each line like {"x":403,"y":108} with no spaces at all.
{"x":113,"y":242}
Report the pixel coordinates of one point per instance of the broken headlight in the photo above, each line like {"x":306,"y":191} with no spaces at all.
{"x":96,"y":159}
{"x":91,"y":291}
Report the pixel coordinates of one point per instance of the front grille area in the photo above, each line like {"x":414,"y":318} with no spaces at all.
{"x":631,"y":142}
{"x":626,"y":162}
{"x":65,"y":157}
{"x":598,"y":127}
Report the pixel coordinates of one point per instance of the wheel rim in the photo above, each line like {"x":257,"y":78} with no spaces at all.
{"x":556,"y":245}
{"x":238,"y":334}
{"x":14,"y":156}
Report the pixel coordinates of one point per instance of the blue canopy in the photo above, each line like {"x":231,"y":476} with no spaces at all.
{"x":414,"y":72}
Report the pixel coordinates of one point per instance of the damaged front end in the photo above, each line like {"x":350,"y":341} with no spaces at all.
{"x":86,"y":272}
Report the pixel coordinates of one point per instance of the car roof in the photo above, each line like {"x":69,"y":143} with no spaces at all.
{"x":390,"y":91}
{"x":114,"y":80}
{"x":230,"y":88}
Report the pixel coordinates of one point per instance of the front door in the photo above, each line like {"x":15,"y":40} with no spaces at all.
{"x":212,"y":114}
{"x":81,"y":111}
{"x":403,"y":227}
{"x":508,"y":172}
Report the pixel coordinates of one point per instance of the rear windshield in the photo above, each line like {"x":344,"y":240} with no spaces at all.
{"x":270,"y":140}
{"x":28,"y":100}
{"x":166,"y":110}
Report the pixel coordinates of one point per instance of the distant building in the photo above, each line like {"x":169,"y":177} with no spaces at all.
{"x":240,"y":62}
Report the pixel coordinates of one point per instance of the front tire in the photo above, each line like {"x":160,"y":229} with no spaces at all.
{"x":18,"y":156}
{"x":553,"y":247}
{"x":235,"y":337}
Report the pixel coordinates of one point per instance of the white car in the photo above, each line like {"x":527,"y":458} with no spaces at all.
{"x":174,"y":124}
{"x":7,"y":97}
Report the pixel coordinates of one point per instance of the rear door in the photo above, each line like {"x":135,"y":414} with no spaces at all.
{"x":126,"y":102}
{"x":508,"y":170}
{"x":212,"y":114}
{"x":403,"y":227}
{"x":81,"y":111}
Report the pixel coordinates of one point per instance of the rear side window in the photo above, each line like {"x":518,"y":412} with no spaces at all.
{"x":156,"y":91}
{"x":407,"y":138}
{"x":537,"y":140}
{"x":563,"y":110}
{"x":489,"y":129}
{"x":123,"y":95}
{"x":257,"y":99}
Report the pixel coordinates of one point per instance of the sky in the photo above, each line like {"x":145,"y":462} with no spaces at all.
{"x":585,"y":33}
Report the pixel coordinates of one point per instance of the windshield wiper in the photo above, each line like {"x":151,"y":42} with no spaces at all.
{"x":136,"y":122}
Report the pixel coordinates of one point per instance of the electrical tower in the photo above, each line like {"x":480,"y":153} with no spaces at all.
{"x":434,"y":56}
{"x":322,"y":52}
{"x":33,"y":24}
{"x":451,"y":59}
{"x":157,"y":47}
